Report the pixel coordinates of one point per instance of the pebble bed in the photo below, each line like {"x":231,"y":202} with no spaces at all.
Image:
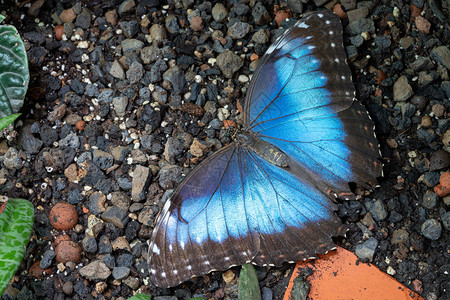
{"x":127,"y":96}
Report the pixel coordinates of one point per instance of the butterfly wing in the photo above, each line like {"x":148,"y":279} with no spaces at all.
{"x":237,"y":208}
{"x":309,"y":111}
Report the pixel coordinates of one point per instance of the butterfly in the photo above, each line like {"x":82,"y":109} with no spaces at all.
{"x":267,"y":197}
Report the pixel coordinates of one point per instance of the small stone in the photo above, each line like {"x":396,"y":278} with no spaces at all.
{"x":120,"y":273}
{"x":116,"y":216}
{"x":262,"y":36}
{"x":176,"y":77}
{"x":135,"y":73}
{"x":422,"y":24}
{"x":238,"y":30}
{"x":130,"y":46}
{"x":11,"y":159}
{"x":158,"y":33}
{"x":38,"y":272}
{"x":402,"y":89}
{"x":219,"y":12}
{"x":426,"y":121}
{"x":229,"y":63}
{"x":67,"y":15}
{"x":102,"y":159}
{"x":438,"y":110}
{"x":399,"y":236}
{"x":356,"y":14}
{"x":260,"y":14}
{"x":68,"y":288}
{"x":96,"y":270}
{"x":95,"y":226}
{"x":196,"y":23}
{"x":228,"y":276}
{"x":121,"y":243}
{"x":439,"y":160}
{"x":104,"y":245}
{"x":120,"y":105}
{"x":390,"y":270}
{"x":141,"y":180}
{"x":117,"y":70}
{"x":133,"y":283}
{"x":431,"y":229}
{"x":120,"y":200}
{"x":127,"y":6}
{"x":129,"y":28}
{"x":47,"y":259}
{"x":111,"y":17}
{"x":441,"y":54}
{"x":430,"y":199}
{"x":367,"y":250}
{"x":376,"y":208}
{"x":89,"y":244}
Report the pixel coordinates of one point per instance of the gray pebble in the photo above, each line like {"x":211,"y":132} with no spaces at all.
{"x":116,"y":216}
{"x":129,"y":28}
{"x":402,"y":89}
{"x":176,"y":77}
{"x":89,"y":244}
{"x":260,"y":14}
{"x":366,"y":251}
{"x":360,"y":26}
{"x":11,"y":159}
{"x":238,"y":30}
{"x":441,"y":54}
{"x":131,"y":45}
{"x":446,"y":220}
{"x":431,"y":179}
{"x":229,"y":63}
{"x":47,"y":258}
{"x":126,"y":6}
{"x":399,"y":236}
{"x":120,"y":272}
{"x":262,"y":36}
{"x":430,"y":199}
{"x":120,"y":105}
{"x":172,"y":24}
{"x":219,"y":12}
{"x":68,"y":287}
{"x":431,"y":229}
{"x":102,"y":159}
{"x":117,"y":70}
{"x":104,"y":245}
{"x":71,"y":140}
{"x":376,"y":208}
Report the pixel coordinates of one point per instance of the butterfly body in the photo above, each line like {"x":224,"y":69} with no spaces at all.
{"x":263,"y":149}
{"x":267,"y":197}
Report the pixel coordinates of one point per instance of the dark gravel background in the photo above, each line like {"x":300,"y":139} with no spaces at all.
{"x":135,"y":93}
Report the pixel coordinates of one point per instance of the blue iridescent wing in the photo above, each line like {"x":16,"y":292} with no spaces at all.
{"x":237,"y":208}
{"x":309,"y":111}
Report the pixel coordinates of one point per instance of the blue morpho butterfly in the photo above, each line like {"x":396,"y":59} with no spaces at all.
{"x":266,"y":198}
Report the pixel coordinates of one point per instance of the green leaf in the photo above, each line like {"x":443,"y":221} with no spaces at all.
{"x":140,"y":297}
{"x":2,"y":18}
{"x":14,"y":74}
{"x":248,"y":284}
{"x":16,"y":223}
{"x":5,"y":121}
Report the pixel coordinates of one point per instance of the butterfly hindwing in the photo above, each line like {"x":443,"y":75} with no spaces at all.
{"x":310,"y":112}
{"x":238,"y":208}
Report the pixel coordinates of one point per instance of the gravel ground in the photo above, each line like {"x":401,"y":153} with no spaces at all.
{"x":126,"y":96}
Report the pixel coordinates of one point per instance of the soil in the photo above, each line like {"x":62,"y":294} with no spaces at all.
{"x":132,"y":86}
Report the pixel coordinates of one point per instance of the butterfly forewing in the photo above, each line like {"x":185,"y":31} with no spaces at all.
{"x":310,"y":112}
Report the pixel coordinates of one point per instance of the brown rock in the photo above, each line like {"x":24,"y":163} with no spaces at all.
{"x":197,"y":23}
{"x":79,"y":125}
{"x":68,"y":251}
{"x":60,"y":238}
{"x":67,"y":15}
{"x":111,"y":17}
{"x":422,"y":24}
{"x":71,"y":172}
{"x":58,"y":31}
{"x":63,"y":216}
{"x":96,"y":270}
{"x":192,"y":109}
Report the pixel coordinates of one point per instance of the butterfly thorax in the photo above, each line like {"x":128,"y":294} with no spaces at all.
{"x":263,"y":149}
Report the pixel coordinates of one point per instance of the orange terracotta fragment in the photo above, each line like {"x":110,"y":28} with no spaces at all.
{"x":338,"y":275}
{"x":36,"y":271}
{"x":2,"y":207}
{"x":443,"y":188}
{"x":282,"y":15}
{"x":254,"y":56}
{"x":229,"y":124}
{"x":414,"y":11}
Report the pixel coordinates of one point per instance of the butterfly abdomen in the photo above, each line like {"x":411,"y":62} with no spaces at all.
{"x":263,"y":149}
